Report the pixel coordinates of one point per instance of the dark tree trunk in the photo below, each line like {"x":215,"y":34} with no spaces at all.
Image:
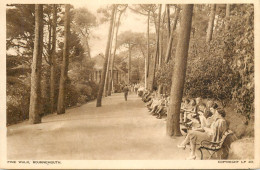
{"x":211,"y":23}
{"x":34,"y":110}
{"x":179,"y":72}
{"x":170,"y":41}
{"x":103,"y":77}
{"x":65,"y":62}
{"x":52,"y":59}
{"x":157,"y":50}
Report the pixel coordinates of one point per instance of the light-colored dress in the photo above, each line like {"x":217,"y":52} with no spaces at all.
{"x":219,"y":126}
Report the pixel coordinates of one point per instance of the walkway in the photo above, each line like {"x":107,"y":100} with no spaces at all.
{"x":118,"y":130}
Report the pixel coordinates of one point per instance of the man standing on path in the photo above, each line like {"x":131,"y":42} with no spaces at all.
{"x":125,"y":90}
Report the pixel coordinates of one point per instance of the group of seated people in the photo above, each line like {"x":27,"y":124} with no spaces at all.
{"x":199,"y":120}
{"x":208,"y":123}
{"x":156,"y":104}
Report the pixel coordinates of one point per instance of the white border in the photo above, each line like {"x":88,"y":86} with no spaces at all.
{"x":130,"y":164}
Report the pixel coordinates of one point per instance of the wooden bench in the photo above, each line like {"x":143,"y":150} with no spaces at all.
{"x":213,"y":147}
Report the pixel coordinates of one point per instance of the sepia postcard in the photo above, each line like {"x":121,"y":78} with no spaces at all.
{"x":127,"y":84}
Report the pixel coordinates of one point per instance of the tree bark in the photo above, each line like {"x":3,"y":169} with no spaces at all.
{"x":168,"y":20}
{"x":35,"y":96}
{"x":114,"y":54}
{"x":102,"y":83}
{"x":156,"y":51}
{"x":227,"y":16}
{"x":109,"y":58}
{"x":170,"y":41}
{"x":178,"y":77}
{"x":211,"y":23}
{"x":161,"y":48}
{"x":148,"y":50}
{"x":88,"y":48}
{"x":161,"y":40}
{"x":65,"y":62}
{"x":52,"y":59}
{"x":129,"y":63}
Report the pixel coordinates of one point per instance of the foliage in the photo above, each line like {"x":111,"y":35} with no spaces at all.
{"x":163,"y":75}
{"x":20,"y":38}
{"x":241,"y":57}
{"x":223,"y":69}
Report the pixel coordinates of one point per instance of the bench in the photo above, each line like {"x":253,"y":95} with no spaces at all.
{"x":213,"y":147}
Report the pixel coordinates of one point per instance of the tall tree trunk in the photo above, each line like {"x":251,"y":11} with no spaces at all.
{"x":35,"y":96}
{"x":109,"y":59}
{"x":129,"y":63}
{"x":103,"y":77}
{"x":179,"y":72}
{"x":88,"y":48}
{"x":52,"y":58}
{"x":170,"y":41}
{"x":45,"y":99}
{"x":114,"y":54}
{"x":161,"y":48}
{"x":227,"y":16}
{"x":168,"y":20}
{"x":161,"y":39}
{"x":148,"y":50}
{"x":157,"y":49}
{"x":211,"y":23}
{"x":65,"y":62}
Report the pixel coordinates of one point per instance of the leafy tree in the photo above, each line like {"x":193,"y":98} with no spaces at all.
{"x":129,"y":40}
{"x":83,"y":22}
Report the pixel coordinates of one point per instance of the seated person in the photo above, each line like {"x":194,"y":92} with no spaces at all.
{"x":158,"y":106}
{"x":160,"y":110}
{"x":145,"y":93}
{"x":202,"y":117}
{"x":140,"y":91}
{"x":148,"y":97}
{"x":211,"y":116}
{"x":154,"y":104}
{"x":184,"y":106}
{"x":148,"y":104}
{"x":214,"y":133}
{"x":189,"y":110}
{"x":165,"y":106}
{"x":198,"y":101}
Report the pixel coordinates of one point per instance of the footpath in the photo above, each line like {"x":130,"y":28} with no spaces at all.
{"x":119,"y":130}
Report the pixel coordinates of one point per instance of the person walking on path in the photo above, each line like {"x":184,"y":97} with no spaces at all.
{"x":125,"y":90}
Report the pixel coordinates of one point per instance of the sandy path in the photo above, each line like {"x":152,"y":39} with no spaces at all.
{"x":118,"y":130}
